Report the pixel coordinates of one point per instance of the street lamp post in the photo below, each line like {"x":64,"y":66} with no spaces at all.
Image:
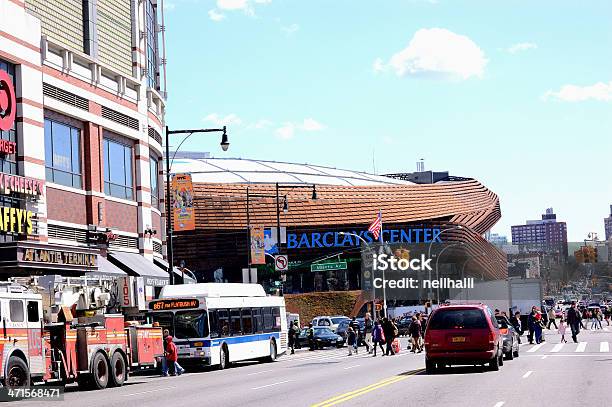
{"x":437,"y":260}
{"x":169,"y":225}
{"x":457,"y":227}
{"x":463,"y":269}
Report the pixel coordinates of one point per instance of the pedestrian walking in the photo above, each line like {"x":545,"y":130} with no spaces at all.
{"x":599,"y":318}
{"x":561,"y":330}
{"x":351,"y":340}
{"x":378,"y":338}
{"x":296,"y":339}
{"x":357,"y":329}
{"x":310,"y":335}
{"x":367,"y":331}
{"x":531,"y":322}
{"x":552,"y":318}
{"x":539,"y":325}
{"x":390,"y":331}
{"x":515,"y":320}
{"x":172,"y":358}
{"x":573,"y":320}
{"x":292,"y":337}
{"x":414,"y":330}
{"x":585,"y":316}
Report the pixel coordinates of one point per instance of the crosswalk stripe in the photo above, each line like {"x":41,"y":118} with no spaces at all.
{"x":581,"y":347}
{"x":535,"y":348}
{"x":604,"y":347}
{"x":557,"y":347}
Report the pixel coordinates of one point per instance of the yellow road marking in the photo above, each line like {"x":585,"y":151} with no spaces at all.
{"x":356,"y":393}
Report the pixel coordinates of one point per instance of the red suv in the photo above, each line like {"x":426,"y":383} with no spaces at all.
{"x":463,"y":335}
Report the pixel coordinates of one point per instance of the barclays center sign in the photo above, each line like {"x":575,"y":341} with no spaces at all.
{"x":313,"y":240}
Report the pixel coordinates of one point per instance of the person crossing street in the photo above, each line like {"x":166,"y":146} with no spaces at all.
{"x":573,"y":320}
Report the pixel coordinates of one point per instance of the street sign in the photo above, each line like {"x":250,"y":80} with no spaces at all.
{"x":339,"y":265}
{"x":281,"y":262}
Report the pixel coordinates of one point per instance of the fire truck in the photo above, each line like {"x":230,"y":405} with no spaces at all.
{"x":64,"y":330}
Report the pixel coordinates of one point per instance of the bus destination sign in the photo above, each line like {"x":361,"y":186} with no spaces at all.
{"x":162,"y":305}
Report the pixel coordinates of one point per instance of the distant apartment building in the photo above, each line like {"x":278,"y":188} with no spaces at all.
{"x":608,"y":225}
{"x":546,"y":235}
{"x":497,"y":239}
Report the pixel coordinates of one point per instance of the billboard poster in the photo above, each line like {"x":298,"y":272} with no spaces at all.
{"x":271,"y":242}
{"x":258,"y":254}
{"x":182,"y":203}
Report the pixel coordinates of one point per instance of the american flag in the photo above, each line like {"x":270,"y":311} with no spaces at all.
{"x":376,"y":226}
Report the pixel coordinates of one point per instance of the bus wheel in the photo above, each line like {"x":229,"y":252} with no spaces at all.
{"x":100,"y":371}
{"x":273,"y":353}
{"x":17,"y":373}
{"x":223,"y":358}
{"x":118,"y":370}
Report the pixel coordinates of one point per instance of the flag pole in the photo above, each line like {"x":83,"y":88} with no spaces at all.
{"x":382,"y":246}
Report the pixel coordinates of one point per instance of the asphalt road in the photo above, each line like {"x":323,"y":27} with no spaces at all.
{"x":551,"y":374}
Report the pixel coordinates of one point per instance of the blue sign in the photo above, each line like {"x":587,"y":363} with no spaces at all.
{"x":271,"y":245}
{"x":335,"y":239}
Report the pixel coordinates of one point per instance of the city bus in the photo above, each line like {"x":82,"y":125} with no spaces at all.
{"x":216,"y":324}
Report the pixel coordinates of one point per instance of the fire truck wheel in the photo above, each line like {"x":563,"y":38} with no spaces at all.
{"x":17,"y":373}
{"x":118,"y":370}
{"x":99,"y":371}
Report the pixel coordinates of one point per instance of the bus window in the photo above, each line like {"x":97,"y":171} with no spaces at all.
{"x":213,"y":316}
{"x":267,"y":317}
{"x":276,"y":319}
{"x":164,"y":319}
{"x":223,"y":322}
{"x":235,"y":327}
{"x":257,"y":321}
{"x":247,"y":323}
{"x":190,"y":324}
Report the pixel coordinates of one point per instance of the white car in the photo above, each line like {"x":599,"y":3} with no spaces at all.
{"x":330,"y":322}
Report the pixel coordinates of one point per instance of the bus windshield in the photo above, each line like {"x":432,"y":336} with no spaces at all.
{"x":183,"y":324}
{"x":190,"y":324}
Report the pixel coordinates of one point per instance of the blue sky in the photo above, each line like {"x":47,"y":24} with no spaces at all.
{"x":514,"y":93}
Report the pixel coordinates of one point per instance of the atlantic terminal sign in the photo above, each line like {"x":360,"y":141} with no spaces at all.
{"x":315,"y":240}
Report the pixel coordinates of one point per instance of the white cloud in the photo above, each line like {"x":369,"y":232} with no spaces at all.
{"x":260,"y":124}
{"x":169,"y":6}
{"x":521,"y":46}
{"x":288,"y":130}
{"x":311,"y":125}
{"x":293,"y":28}
{"x":215,"y":15}
{"x":228,"y":120}
{"x":573,"y":93}
{"x":438,"y":53}
{"x":246,"y":6}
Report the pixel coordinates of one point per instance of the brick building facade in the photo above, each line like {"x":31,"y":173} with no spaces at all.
{"x":88,"y":118}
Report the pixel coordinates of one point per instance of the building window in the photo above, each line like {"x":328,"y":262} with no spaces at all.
{"x":118,"y":170}
{"x":154,"y":167}
{"x":152,"y":48}
{"x":62,"y":154}
{"x":8,"y":162}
